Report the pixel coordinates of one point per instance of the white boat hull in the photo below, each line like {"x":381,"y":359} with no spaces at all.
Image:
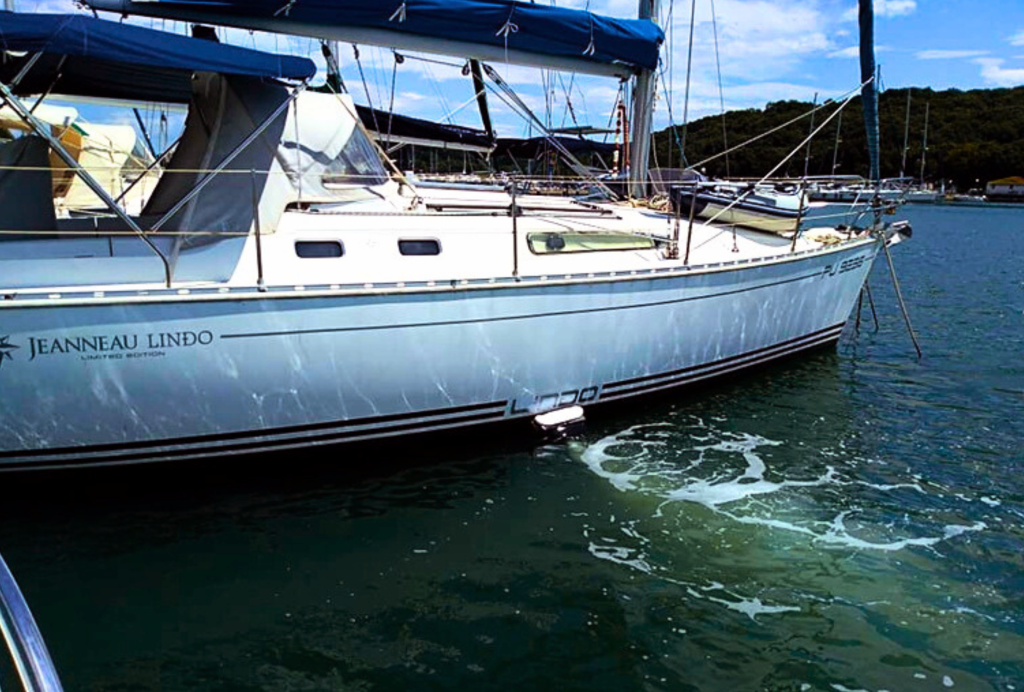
{"x":92,"y":380}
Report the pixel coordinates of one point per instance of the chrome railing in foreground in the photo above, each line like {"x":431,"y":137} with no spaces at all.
{"x":24,"y":642}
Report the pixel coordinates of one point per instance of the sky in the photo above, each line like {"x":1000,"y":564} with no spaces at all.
{"x":767,"y":50}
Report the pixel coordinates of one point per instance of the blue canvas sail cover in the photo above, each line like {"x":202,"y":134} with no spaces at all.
{"x":113,"y":60}
{"x":516,"y":31}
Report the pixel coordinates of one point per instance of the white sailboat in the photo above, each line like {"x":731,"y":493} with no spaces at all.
{"x":283,"y":288}
{"x":774,"y":208}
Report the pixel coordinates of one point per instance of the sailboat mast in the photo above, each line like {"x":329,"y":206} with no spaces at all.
{"x":643,"y":113}
{"x":807,"y":155}
{"x":869,"y":92}
{"x":924,"y":145}
{"x":835,"y":149}
{"x":906,"y":137}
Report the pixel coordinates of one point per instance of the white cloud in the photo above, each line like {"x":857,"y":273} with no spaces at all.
{"x":848,"y":52}
{"x":993,"y":72}
{"x":1018,"y":38}
{"x":854,"y":52}
{"x":885,"y":8}
{"x":757,"y":39}
{"x":894,"y":8}
{"x":949,"y":54}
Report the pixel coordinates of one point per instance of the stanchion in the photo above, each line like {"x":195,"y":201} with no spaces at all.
{"x":260,"y":284}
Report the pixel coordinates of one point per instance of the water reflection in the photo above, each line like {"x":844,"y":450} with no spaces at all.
{"x":811,"y":533}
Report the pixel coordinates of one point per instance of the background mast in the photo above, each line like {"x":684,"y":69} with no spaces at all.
{"x":643,"y":112}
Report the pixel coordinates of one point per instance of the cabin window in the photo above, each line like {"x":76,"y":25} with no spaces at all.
{"x":568,"y":242}
{"x":318,"y":249}
{"x":358,"y":163}
{"x":419,"y":247}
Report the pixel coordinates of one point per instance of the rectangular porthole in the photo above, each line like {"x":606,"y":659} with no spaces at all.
{"x":314,"y":249}
{"x":567,"y":242}
{"x":419,"y":247}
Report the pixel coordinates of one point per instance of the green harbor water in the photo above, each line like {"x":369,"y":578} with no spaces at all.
{"x":850,"y":520}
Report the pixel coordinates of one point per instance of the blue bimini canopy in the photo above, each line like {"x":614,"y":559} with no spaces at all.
{"x":111,"y":60}
{"x":514,"y":31}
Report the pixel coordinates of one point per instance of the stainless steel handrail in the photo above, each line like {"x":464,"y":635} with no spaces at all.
{"x":24,"y":641}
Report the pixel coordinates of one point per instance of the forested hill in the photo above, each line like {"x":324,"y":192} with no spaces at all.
{"x":973,"y":136}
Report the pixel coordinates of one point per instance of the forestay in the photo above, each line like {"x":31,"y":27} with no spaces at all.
{"x":511,"y":31}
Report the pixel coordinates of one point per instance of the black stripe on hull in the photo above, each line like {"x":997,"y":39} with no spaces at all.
{"x":639,"y":384}
{"x":262,"y":444}
{"x":726,"y":369}
{"x":494,"y":409}
{"x":387,"y":426}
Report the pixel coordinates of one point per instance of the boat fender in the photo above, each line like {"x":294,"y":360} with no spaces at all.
{"x":560,"y":423}
{"x":902,"y":228}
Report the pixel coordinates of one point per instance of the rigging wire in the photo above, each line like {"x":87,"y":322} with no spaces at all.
{"x":434,"y":84}
{"x":569,"y":110}
{"x":721,"y":91}
{"x":572,"y":79}
{"x":433,"y":61}
{"x":391,"y":104}
{"x":825,"y":104}
{"x":835,"y":150}
{"x":450,"y":114}
{"x":784,"y":161}
{"x":366,"y":90}
{"x":686,"y":97}
{"x":513,"y":101}
{"x":611,"y":114}
{"x":670,"y":59}
{"x":671,"y":118}
{"x":377,"y":69}
{"x":807,"y":156}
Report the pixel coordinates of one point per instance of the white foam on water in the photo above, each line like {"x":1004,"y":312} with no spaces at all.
{"x":596,"y":455}
{"x":752,"y":607}
{"x":964,"y":610}
{"x":640,"y":470}
{"x":728,"y":474}
{"x":628,"y":557}
{"x":635,"y":558}
{"x":838,"y":534}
